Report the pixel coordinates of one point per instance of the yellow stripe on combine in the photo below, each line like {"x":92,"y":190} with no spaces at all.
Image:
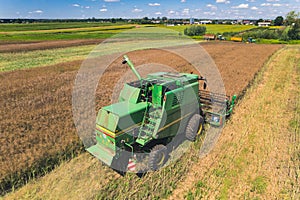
{"x":106,"y":131}
{"x":174,"y":122}
{"x":112,"y":134}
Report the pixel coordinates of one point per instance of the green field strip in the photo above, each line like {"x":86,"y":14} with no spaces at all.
{"x":53,"y":26}
{"x":31,"y":59}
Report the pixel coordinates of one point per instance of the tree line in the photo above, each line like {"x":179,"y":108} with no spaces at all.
{"x":291,"y":32}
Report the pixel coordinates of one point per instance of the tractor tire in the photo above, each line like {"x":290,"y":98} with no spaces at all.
{"x":158,"y":157}
{"x":194,"y":127}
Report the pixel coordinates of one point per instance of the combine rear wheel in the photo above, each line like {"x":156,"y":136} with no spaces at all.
{"x":158,"y":157}
{"x":194,"y":127}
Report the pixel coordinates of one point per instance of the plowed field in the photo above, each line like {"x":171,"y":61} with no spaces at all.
{"x":36,"y":121}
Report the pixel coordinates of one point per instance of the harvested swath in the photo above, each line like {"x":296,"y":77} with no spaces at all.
{"x":258,"y":153}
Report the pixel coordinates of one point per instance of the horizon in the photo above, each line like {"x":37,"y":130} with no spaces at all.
{"x":93,"y":18}
{"x":172,"y":9}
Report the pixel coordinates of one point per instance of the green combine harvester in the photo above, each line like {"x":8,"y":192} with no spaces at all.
{"x":150,"y":114}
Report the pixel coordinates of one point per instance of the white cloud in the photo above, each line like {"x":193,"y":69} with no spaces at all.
{"x":154,"y":4}
{"x":111,"y":0}
{"x":76,"y":5}
{"x":38,"y":11}
{"x":241,"y":6}
{"x":158,"y":13}
{"x":223,"y":1}
{"x":277,"y":5}
{"x":103,"y":10}
{"x":183,"y":1}
{"x":87,"y":7}
{"x":171,"y":12}
{"x":254,"y":8}
{"x":186,"y":11}
{"x":251,"y":1}
{"x":265,"y":4}
{"x":209,"y":13}
{"x":213,"y":7}
{"x":136,"y":10}
{"x":273,"y":0}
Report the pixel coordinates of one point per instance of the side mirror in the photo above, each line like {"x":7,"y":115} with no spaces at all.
{"x":201,"y":78}
{"x":204,"y":85}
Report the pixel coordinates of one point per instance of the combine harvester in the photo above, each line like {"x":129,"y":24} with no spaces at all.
{"x":151,"y":112}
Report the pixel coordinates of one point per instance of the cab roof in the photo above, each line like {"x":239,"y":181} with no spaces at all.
{"x":166,"y":79}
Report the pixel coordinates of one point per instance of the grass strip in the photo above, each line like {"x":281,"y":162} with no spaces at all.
{"x":261,"y":159}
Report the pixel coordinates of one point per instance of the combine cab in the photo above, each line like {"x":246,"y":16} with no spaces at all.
{"x":150,"y":113}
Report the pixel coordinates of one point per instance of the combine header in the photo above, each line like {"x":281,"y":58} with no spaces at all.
{"x":150,"y":113}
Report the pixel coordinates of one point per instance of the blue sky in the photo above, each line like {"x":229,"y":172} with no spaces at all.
{"x":214,"y":9}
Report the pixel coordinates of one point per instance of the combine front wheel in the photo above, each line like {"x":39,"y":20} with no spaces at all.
{"x":158,"y":157}
{"x":194,"y":127}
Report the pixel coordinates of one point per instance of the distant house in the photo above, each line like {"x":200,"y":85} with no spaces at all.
{"x":239,"y":21}
{"x":205,"y":22}
{"x":155,"y":21}
{"x":264,"y":23}
{"x":209,"y":37}
{"x":249,"y":22}
{"x":246,"y":22}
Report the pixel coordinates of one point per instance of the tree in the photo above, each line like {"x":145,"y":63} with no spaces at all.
{"x":291,"y":18}
{"x":278,"y":21}
{"x":113,"y":20}
{"x":260,"y":20}
{"x":294,"y":32}
{"x":195,"y":30}
{"x":164,"y":18}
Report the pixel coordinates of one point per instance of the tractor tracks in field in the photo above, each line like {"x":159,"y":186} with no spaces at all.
{"x":43,"y":45}
{"x":256,"y":155}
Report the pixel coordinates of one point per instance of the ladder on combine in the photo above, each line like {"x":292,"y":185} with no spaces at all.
{"x":150,"y":126}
